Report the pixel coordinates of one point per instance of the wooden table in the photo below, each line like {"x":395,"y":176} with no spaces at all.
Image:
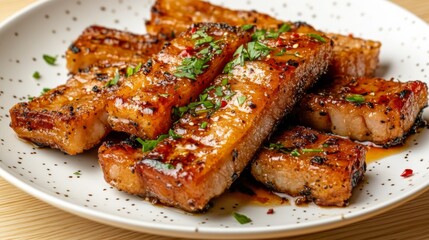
{"x":24,"y":217}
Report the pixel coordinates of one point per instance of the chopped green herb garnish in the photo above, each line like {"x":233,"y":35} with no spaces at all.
{"x":247,"y":27}
{"x":113,"y":81}
{"x":204,"y":51}
{"x":30,"y":98}
{"x":219,"y":91}
{"x":310,"y":150}
{"x":281,"y":53}
{"x":77,"y":173}
{"x":256,"y":50}
{"x":200,"y":34}
{"x":239,"y":56}
{"x":173,"y":134}
{"x":130,"y":71}
{"x":49,"y":59}
{"x":279,"y":147}
{"x":317,"y":37}
{"x":36,"y":75}
{"x":355,"y":98}
{"x":203,"y":125}
{"x":138,"y":67}
{"x":295,"y":153}
{"x":224,"y":81}
{"x":133,"y":70}
{"x":242,"y":219}
{"x":261,"y":34}
{"x":149,"y":145}
{"x":285,"y":28}
{"x":253,"y":51}
{"x":241,"y":99}
{"x":45,"y":90}
{"x":325,"y":145}
{"x":203,"y":40}
{"x":191,"y":67}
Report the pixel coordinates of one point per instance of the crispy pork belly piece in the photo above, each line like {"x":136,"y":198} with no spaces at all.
{"x":174,"y":77}
{"x":210,"y":145}
{"x":354,"y":56}
{"x":364,"y":109}
{"x":117,"y":158}
{"x":170,"y":17}
{"x":105,"y":47}
{"x":314,"y":166}
{"x":70,"y":117}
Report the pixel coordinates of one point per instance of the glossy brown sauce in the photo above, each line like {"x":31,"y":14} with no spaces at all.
{"x":377,"y":153}
{"x":247,"y":191}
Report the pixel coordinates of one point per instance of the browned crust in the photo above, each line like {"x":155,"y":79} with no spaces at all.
{"x":196,"y":179}
{"x":106,"y":47}
{"x":388,"y":112}
{"x":325,"y":177}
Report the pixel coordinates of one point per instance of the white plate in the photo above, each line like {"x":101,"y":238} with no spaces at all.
{"x":49,"y":27}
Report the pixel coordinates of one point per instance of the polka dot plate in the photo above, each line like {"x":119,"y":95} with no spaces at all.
{"x":75,"y":183}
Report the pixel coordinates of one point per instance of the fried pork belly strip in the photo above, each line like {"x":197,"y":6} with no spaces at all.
{"x":70,"y":117}
{"x":210,"y":145}
{"x":352,"y":56}
{"x":314,"y":166}
{"x":105,"y":47}
{"x":171,"y":17}
{"x":174,"y":77}
{"x":364,"y":109}
{"x":117,"y":159}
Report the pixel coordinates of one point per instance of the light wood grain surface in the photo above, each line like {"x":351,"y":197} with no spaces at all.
{"x":24,"y":217}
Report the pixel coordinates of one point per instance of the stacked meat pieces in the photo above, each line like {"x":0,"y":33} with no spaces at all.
{"x":202,"y":97}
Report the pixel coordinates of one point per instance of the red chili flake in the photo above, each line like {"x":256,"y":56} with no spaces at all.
{"x":295,"y":35}
{"x":279,"y":42}
{"x":270,"y":211}
{"x":187,"y":52}
{"x":193,"y":30}
{"x":407,"y":173}
{"x":223,"y":103}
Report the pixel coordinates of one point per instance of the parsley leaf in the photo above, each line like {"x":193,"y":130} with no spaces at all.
{"x":45,"y":90}
{"x":113,"y":81}
{"x":173,"y":134}
{"x":355,"y":98}
{"x":285,"y":28}
{"x":203,"y":125}
{"x":295,"y":153}
{"x":149,"y":145}
{"x":247,"y":27}
{"x":49,"y":59}
{"x":317,"y":37}
{"x":36,"y":75}
{"x":133,"y":70}
{"x":242,"y":219}
{"x":241,"y":100}
{"x":256,"y":50}
{"x":191,"y":67}
{"x":310,"y":150}
{"x":253,"y":51}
